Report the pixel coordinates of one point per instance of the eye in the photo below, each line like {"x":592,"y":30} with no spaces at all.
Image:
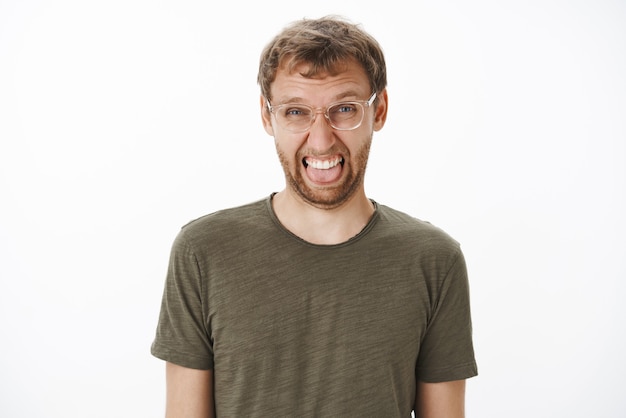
{"x":343,"y":112}
{"x":294,"y":112}
{"x":344,"y":108}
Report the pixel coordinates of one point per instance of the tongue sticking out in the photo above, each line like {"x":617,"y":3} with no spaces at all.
{"x":323,"y":172}
{"x":324,"y":176}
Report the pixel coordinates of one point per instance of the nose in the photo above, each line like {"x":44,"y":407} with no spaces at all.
{"x":321,"y":135}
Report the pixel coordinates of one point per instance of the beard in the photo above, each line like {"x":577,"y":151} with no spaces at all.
{"x":328,"y":197}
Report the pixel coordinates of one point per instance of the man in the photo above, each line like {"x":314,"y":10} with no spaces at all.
{"x":317,"y":301}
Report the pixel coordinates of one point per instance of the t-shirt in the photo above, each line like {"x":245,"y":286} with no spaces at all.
{"x":294,"y":329}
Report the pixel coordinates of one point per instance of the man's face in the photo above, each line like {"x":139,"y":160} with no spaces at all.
{"x":324,"y":167}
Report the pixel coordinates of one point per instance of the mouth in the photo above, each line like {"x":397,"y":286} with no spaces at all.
{"x":323,"y":172}
{"x":322,"y":164}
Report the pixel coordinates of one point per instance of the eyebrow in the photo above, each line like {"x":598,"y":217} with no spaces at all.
{"x":339,"y":97}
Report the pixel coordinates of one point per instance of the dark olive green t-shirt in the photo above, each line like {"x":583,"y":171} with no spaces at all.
{"x":293,"y":329}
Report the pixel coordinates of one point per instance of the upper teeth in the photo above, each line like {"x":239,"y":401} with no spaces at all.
{"x":323,"y":165}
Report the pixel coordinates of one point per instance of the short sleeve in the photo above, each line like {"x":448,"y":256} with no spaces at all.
{"x":182,"y":335}
{"x":447,"y":351}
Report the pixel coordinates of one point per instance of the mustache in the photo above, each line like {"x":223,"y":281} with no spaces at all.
{"x":334,"y":150}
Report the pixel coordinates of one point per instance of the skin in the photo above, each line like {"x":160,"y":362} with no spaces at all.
{"x":440,"y":400}
{"x":189,"y":392}
{"x":322,"y":208}
{"x":328,"y":211}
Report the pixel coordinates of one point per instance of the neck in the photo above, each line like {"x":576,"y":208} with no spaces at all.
{"x":323,"y":226}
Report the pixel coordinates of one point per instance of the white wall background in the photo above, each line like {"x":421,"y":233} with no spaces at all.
{"x":122,"y":120}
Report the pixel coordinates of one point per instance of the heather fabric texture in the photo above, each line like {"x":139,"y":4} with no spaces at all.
{"x":295,"y":329}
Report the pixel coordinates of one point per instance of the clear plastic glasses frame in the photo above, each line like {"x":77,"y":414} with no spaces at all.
{"x":342,"y":116}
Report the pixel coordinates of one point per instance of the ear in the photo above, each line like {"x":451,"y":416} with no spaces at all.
{"x":380,"y":115}
{"x":266,"y":117}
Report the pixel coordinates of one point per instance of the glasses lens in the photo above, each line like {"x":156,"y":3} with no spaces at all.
{"x":294,"y":118}
{"x":346,"y":115}
{"x":343,"y":116}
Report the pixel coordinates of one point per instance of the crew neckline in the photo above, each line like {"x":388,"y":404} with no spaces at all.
{"x":363,"y":232}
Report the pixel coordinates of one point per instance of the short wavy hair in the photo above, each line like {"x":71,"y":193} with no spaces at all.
{"x":325,"y":44}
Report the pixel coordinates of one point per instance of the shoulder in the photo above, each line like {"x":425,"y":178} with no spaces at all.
{"x":401,"y":226}
{"x":229,"y":223}
{"x":424,"y":247}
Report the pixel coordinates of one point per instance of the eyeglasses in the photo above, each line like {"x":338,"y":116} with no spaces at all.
{"x":342,"y":116}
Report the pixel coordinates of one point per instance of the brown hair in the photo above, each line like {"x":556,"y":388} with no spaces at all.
{"x":325,"y":44}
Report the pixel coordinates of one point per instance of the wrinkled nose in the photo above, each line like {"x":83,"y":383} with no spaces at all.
{"x":321,"y":134}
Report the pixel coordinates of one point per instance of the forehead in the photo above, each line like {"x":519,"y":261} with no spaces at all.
{"x":300,"y":82}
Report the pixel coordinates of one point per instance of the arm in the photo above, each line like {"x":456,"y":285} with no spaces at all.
{"x":189,"y":392}
{"x":440,"y":400}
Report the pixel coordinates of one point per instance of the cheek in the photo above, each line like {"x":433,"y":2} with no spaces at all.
{"x":286,"y":151}
{"x":290,"y":158}
{"x":289,"y":144}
